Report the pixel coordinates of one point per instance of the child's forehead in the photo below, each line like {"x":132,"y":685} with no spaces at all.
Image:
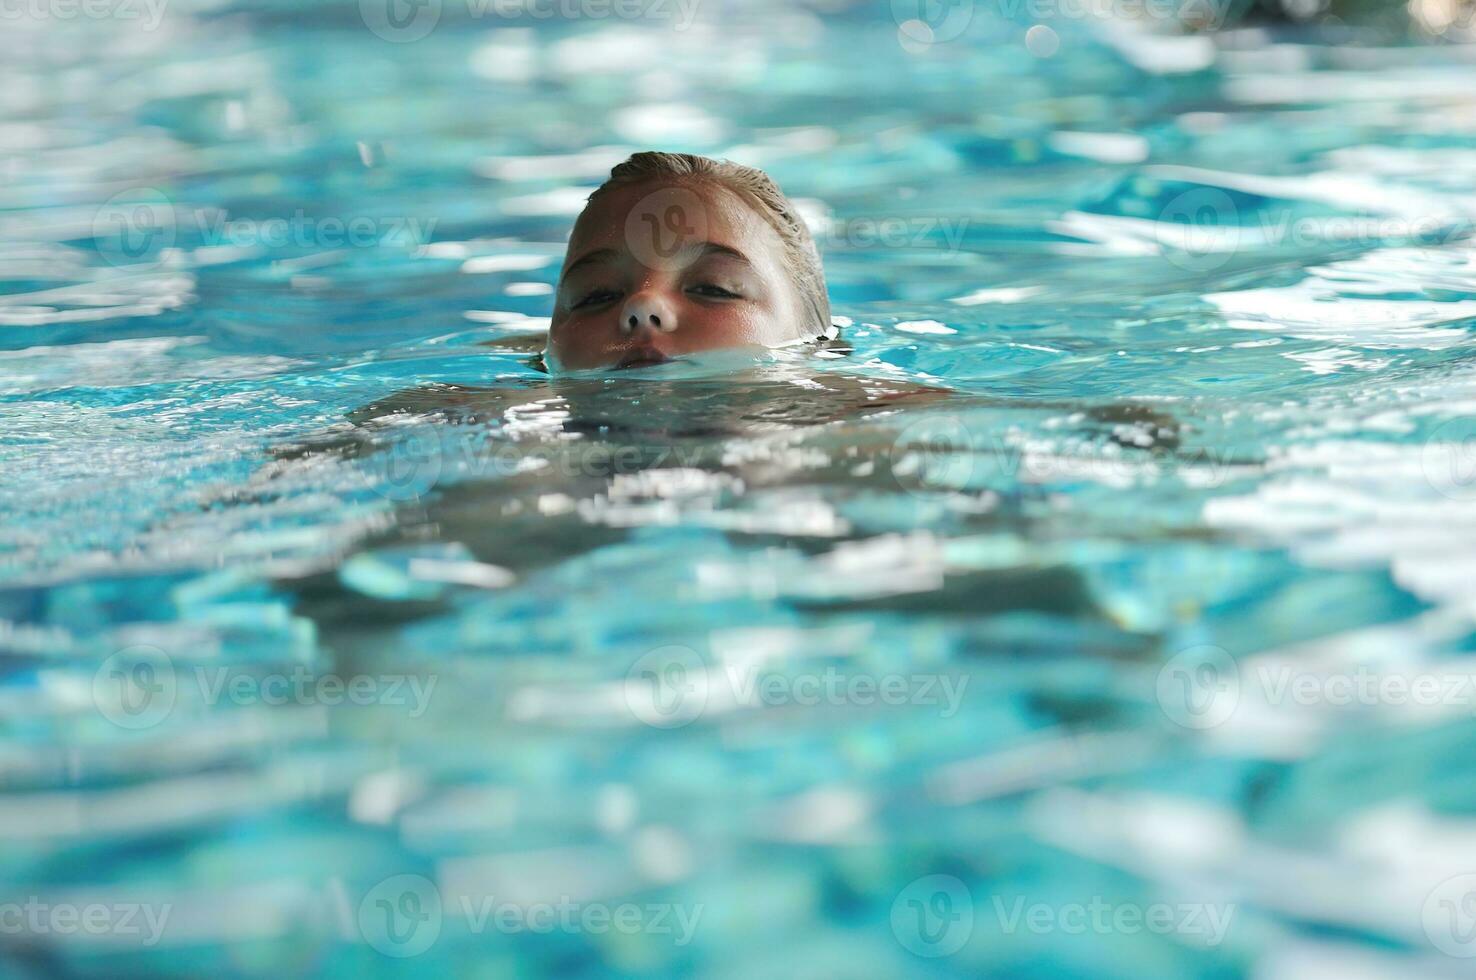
{"x":635,"y":217}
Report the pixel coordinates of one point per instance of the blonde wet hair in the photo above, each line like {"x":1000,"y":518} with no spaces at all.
{"x":801,"y":258}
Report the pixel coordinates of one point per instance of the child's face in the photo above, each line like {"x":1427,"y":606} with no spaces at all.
{"x":658,"y":269}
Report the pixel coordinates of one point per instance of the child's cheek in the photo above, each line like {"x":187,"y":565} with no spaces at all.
{"x":563,"y":338}
{"x":708,"y":328}
{"x":566,"y":329}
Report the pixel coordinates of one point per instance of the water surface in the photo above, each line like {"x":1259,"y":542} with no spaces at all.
{"x":1155,"y":395}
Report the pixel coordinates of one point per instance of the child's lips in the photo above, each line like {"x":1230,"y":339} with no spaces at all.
{"x":642,"y":357}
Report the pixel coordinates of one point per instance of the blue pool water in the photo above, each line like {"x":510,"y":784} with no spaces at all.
{"x":1100,"y":605}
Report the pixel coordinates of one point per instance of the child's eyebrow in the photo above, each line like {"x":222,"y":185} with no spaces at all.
{"x":708,"y":248}
{"x":714,"y":248}
{"x":598,"y":255}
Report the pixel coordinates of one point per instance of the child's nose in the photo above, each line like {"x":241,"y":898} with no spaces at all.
{"x":647,"y":311}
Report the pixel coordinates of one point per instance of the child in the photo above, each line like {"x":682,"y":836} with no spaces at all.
{"x":677,"y":254}
{"x":673,"y":255}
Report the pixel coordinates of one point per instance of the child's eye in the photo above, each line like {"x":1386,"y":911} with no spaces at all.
{"x":596,"y":298}
{"x":716,"y":292}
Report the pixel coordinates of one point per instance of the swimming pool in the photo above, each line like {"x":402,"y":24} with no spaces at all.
{"x":341,"y":640}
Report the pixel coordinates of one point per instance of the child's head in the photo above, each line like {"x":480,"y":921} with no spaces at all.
{"x":677,"y":254}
